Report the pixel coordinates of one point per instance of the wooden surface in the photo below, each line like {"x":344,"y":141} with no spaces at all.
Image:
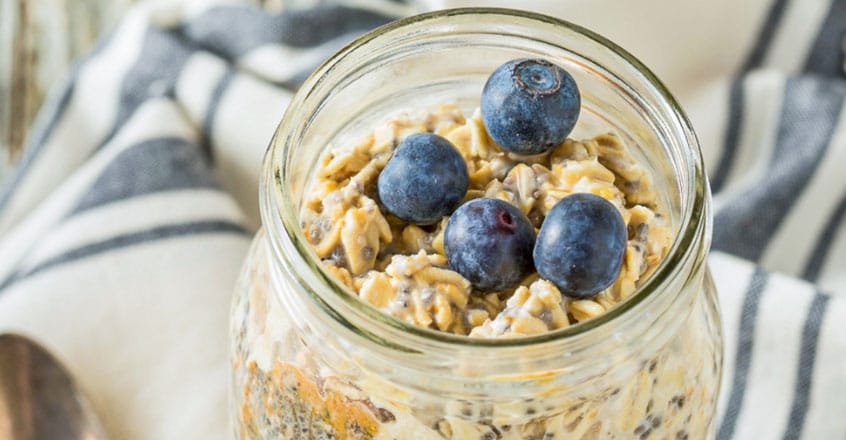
{"x":39,"y":40}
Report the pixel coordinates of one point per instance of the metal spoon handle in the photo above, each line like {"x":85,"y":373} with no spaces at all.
{"x":38,"y":398}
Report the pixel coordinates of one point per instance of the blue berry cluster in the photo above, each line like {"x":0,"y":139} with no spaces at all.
{"x":579,"y":248}
{"x":528,"y":107}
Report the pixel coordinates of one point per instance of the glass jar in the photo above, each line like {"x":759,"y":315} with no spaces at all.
{"x":310,"y":360}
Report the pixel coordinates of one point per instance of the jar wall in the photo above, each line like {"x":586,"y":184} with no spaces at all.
{"x":283,"y":387}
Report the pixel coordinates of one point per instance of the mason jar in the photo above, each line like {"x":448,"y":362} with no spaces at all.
{"x":312,"y":361}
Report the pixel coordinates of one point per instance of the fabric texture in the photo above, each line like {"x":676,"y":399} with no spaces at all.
{"x":123,"y":228}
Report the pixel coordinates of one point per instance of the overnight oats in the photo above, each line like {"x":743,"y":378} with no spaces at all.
{"x":509,"y":245}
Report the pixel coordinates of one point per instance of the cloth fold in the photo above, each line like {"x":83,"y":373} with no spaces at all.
{"x":123,"y":228}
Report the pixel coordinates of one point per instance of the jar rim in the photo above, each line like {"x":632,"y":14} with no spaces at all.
{"x":292,"y":242}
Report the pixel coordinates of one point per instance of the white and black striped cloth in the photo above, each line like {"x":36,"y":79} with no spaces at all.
{"x":123,"y":228}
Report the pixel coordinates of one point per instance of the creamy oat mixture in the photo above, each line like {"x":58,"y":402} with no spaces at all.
{"x":285,"y":388}
{"x":401,"y":268}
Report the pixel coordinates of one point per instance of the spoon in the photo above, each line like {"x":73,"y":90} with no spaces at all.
{"x":38,"y":399}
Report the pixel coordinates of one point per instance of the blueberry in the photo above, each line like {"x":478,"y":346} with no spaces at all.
{"x":490,"y":243}
{"x":581,"y":244}
{"x":424,"y":180}
{"x":530,"y":106}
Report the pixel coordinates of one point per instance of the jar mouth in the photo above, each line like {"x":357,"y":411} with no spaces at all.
{"x":280,"y":212}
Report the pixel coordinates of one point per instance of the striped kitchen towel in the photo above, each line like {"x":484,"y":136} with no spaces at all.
{"x":123,"y":228}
